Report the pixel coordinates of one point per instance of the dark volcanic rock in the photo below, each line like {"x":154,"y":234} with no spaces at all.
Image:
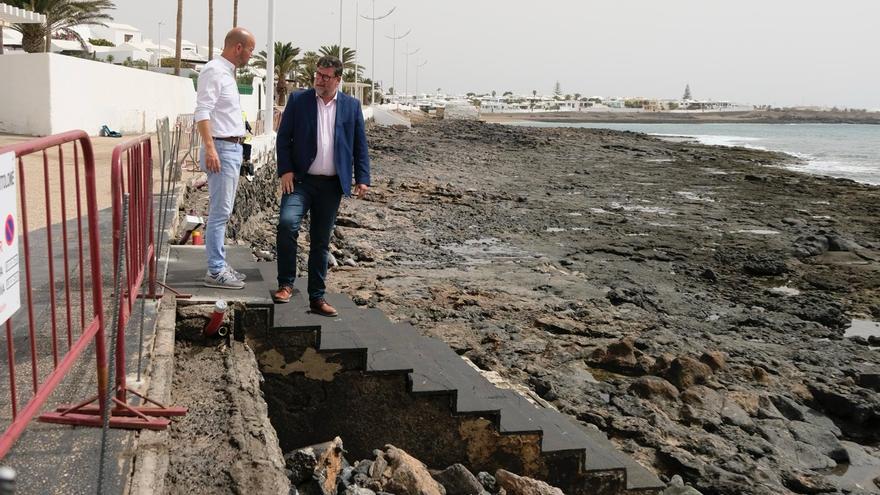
{"x":457,"y":480}
{"x":764,"y":266}
{"x":467,"y":227}
{"x":714,"y":359}
{"x":521,"y":485}
{"x":654,"y":387}
{"x":686,"y":371}
{"x":800,"y":482}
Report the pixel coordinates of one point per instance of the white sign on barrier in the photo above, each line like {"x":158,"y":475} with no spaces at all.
{"x":10,"y":299}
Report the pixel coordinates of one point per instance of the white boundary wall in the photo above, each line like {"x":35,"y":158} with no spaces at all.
{"x":44,"y":93}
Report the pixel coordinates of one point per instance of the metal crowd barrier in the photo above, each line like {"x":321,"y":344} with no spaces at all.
{"x":190,"y":140}
{"x":132,"y":174}
{"x":75,"y":272}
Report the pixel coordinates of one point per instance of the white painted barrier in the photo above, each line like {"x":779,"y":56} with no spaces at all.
{"x":47,"y":93}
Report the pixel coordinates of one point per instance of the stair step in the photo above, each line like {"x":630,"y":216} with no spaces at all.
{"x":435,"y":368}
{"x":638,"y":478}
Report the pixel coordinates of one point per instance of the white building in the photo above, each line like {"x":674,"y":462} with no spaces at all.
{"x":117,"y":33}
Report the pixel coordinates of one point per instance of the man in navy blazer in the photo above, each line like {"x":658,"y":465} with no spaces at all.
{"x":321,"y":143}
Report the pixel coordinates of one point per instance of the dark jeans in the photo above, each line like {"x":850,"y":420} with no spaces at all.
{"x":320,"y":198}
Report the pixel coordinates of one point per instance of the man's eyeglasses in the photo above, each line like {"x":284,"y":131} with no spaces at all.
{"x":323,"y":77}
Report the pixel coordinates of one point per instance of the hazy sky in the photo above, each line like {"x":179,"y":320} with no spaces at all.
{"x":779,"y":52}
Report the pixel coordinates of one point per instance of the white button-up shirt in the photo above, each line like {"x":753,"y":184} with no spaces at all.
{"x":218,"y":99}
{"x":323,"y":164}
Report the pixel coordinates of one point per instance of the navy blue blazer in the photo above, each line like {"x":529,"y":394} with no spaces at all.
{"x":297,"y":141}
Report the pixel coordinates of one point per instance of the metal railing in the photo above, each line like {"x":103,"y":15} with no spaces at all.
{"x":131,"y":170}
{"x":190,"y":140}
{"x":74,"y":275}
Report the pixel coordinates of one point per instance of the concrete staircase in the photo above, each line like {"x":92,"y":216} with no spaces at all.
{"x":576,"y":458}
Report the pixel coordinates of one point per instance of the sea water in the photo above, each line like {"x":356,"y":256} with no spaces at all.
{"x":850,"y":151}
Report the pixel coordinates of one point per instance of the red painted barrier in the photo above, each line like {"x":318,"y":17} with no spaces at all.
{"x":132,"y":173}
{"x":91,"y":316}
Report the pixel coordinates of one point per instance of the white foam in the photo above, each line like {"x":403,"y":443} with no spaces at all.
{"x":755,"y":231}
{"x":712,"y":140}
{"x":785,"y":291}
{"x":694,"y":196}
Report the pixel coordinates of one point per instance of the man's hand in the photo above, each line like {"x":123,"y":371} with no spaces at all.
{"x":212,"y":160}
{"x":287,"y":183}
{"x":360,"y":190}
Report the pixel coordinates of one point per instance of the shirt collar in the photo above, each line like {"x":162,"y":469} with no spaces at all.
{"x":322,"y":100}
{"x":226,"y":63}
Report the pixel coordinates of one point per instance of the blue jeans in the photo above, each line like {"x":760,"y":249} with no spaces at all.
{"x":221,"y":197}
{"x":320,"y":198}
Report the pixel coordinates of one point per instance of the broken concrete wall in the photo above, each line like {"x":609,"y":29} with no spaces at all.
{"x":314,"y":396}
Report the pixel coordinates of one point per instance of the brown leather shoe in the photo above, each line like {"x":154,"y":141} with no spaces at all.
{"x":321,"y":307}
{"x":282,"y":295}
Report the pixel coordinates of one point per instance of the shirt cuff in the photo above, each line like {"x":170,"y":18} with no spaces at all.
{"x":199,"y":116}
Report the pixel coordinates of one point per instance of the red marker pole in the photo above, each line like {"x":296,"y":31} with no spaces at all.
{"x":213,"y":326}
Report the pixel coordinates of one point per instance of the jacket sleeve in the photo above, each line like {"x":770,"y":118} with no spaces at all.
{"x":284,"y":140}
{"x":360,"y":148}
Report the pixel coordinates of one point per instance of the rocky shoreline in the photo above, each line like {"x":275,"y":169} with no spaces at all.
{"x":690,"y":301}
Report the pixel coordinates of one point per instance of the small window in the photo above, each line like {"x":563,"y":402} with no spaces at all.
{"x":128,"y":37}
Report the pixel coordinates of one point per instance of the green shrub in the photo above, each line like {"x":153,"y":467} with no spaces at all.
{"x":101,"y":42}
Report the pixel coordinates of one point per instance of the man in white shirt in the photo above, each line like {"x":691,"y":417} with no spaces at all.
{"x":218,"y":116}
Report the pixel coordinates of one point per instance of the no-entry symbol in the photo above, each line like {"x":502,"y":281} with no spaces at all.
{"x":10,"y":298}
{"x":10,"y":229}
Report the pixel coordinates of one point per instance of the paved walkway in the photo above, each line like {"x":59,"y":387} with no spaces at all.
{"x":61,"y":459}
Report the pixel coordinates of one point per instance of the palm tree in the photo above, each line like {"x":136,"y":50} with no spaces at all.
{"x":177,"y":48}
{"x":60,"y":14}
{"x":234,"y":13}
{"x":286,"y":65}
{"x":307,"y":68}
{"x":210,"y":29}
{"x":348,"y":60}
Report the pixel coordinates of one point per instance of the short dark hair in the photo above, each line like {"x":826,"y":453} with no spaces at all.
{"x":331,"y":61}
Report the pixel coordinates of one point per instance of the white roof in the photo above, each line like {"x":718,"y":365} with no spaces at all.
{"x":69,"y":45}
{"x":121,"y":27}
{"x":11,"y":37}
{"x":204,"y":49}
{"x":15,"y":15}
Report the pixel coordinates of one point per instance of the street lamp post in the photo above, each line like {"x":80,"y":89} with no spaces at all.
{"x":340,"y":33}
{"x":418,"y":66}
{"x":356,"y":91}
{"x":406,"y":72}
{"x":159,"y":42}
{"x":269,"y":111}
{"x":394,"y":53}
{"x":373,"y":49}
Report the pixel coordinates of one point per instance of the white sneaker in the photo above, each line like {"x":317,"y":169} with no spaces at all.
{"x":226,"y":279}
{"x":238,"y":274}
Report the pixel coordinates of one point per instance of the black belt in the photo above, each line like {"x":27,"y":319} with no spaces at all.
{"x":231,"y":139}
{"x":323,"y":177}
